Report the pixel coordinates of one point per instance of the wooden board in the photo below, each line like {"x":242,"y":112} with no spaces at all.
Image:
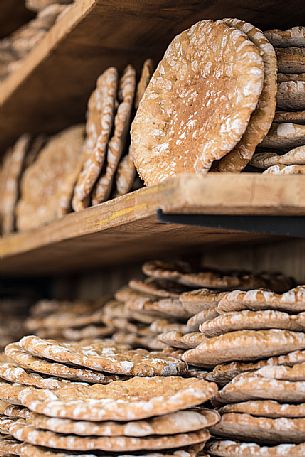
{"x":13,"y":14}
{"x":51,"y":88}
{"x":126,"y":229}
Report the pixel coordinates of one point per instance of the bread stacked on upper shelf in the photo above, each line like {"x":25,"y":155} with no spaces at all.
{"x":15,"y":47}
{"x":209,"y":106}
{"x":283,"y":150}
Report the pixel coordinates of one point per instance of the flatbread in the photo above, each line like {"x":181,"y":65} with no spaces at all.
{"x":168,"y":424}
{"x":266,"y":408}
{"x":262,"y":117}
{"x":267,"y":159}
{"x":291,"y":95}
{"x":229,"y":448}
{"x":178,"y":121}
{"x":99,"y":357}
{"x":244,"y":345}
{"x":260,"y":429}
{"x":15,"y":353}
{"x":117,"y":142}
{"x":252,"y":320}
{"x":291,"y":59}
{"x":120,"y":400}
{"x":286,"y":38}
{"x":286,"y":170}
{"x":101,"y":107}
{"x":284,"y":136}
{"x":251,"y":386}
{"x":110,"y":444}
{"x":297,"y":117}
{"x":291,"y":301}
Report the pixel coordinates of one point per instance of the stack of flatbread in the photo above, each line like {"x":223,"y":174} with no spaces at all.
{"x":107,"y":168}
{"x":65,"y":398}
{"x":283,"y":150}
{"x":210,"y":102}
{"x":255,"y":348}
{"x":14,"y":48}
{"x":47,"y":184}
{"x":166,"y":308}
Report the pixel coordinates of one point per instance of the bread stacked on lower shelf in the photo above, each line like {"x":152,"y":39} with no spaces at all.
{"x":283,"y":150}
{"x":13,"y":313}
{"x":111,"y":399}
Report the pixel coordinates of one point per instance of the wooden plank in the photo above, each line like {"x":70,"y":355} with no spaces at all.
{"x":13,"y":14}
{"x":126,"y":229}
{"x":51,"y":89}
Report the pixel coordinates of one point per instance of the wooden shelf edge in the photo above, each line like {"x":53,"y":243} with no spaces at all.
{"x":212,"y":194}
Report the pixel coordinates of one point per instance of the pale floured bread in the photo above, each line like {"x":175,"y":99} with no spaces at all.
{"x":262,"y":117}
{"x":243,"y":426}
{"x":13,"y":168}
{"x":200,"y":318}
{"x":223,"y":373}
{"x":168,"y":424}
{"x":46,"y":185}
{"x":286,"y":38}
{"x":284,"y":136}
{"x":54,"y":440}
{"x":252,"y":320}
{"x":297,"y":117}
{"x":101,"y":107}
{"x":126,"y":172}
{"x":286,"y":170}
{"x":251,"y":386}
{"x":244,"y":345}
{"x":46,"y":367}
{"x":198,"y":300}
{"x":120,"y":400}
{"x":292,"y":301}
{"x":266,"y":408}
{"x":182,"y":340}
{"x":28,"y":450}
{"x":291,"y":95}
{"x":229,"y":448}
{"x":99,"y":356}
{"x":267,"y":159}
{"x":177,"y":120}
{"x":285,"y":373}
{"x":291,"y":59}
{"x":118,"y":140}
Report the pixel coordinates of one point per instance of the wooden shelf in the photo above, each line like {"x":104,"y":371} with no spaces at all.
{"x":126,"y":229}
{"x":51,"y":88}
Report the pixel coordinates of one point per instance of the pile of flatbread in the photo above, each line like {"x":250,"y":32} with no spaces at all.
{"x":107,"y":168}
{"x":62,"y":399}
{"x":14,"y":48}
{"x":210,"y":102}
{"x":282,"y":152}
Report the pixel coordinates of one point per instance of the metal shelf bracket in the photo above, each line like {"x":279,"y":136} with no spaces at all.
{"x":290,"y":226}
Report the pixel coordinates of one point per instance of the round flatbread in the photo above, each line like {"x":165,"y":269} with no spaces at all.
{"x":198,"y":103}
{"x":120,"y":400}
{"x":262,"y":116}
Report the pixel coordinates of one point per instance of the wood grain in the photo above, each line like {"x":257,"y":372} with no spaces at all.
{"x":51,"y":89}
{"x":126,"y":229}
